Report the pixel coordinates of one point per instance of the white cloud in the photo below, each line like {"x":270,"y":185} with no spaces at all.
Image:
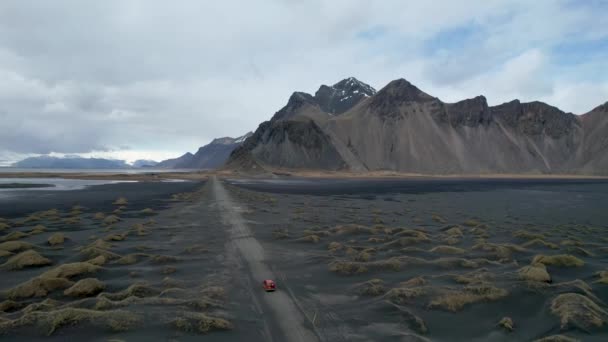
{"x":166,"y":78}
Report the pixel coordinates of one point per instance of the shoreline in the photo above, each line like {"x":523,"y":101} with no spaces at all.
{"x":313,"y":174}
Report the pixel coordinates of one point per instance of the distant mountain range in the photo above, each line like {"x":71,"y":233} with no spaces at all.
{"x":350,"y":126}
{"x":47,"y":162}
{"x":210,"y":156}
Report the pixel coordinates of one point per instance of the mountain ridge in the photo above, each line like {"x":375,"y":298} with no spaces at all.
{"x":401,"y":128}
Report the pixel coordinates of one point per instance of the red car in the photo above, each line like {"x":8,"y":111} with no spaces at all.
{"x":269,"y":285}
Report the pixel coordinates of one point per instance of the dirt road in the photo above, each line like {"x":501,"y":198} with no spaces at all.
{"x":284,"y":320}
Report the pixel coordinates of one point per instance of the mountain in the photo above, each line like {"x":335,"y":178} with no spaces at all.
{"x":210,"y":156}
{"x":48,"y":162}
{"x":177,"y":163}
{"x":144,"y":163}
{"x":402,"y":128}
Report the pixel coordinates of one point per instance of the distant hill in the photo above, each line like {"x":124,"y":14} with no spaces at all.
{"x":210,"y":156}
{"x":144,"y":163}
{"x":47,"y":162}
{"x":350,"y":126}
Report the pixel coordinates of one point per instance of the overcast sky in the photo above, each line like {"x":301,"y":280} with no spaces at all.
{"x":154,"y":79}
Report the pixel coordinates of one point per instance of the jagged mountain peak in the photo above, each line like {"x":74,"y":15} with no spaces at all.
{"x":343,"y":95}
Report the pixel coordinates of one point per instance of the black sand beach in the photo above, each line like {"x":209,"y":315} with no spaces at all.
{"x":354,"y":260}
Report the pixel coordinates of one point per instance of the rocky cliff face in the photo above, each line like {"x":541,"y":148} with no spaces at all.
{"x":402,"y":128}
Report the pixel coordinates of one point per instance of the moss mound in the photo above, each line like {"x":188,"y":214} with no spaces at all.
{"x":194,"y":322}
{"x":4,"y":226}
{"x":85,"y":288}
{"x":13,"y":236}
{"x":38,"y":287}
{"x":99,"y":216}
{"x":405,"y":295}
{"x":131,"y":259}
{"x":139,"y":290}
{"x":56,"y":239}
{"x":534,"y":272}
{"x":500,"y":251}
{"x":540,"y":243}
{"x":578,"y":311}
{"x":111,"y":219}
{"x":15,"y":246}
{"x":38,"y":229}
{"x":559,"y":260}
{"x":447,"y":250}
{"x":309,"y":238}
{"x":98,"y":261}
{"x":506,"y":323}
{"x":457,"y":300}
{"x":557,"y":338}
{"x":71,"y":270}
{"x":28,"y":258}
{"x":147,"y":211}
{"x":9,"y":305}
{"x":51,"y":321}
{"x":373,"y":288}
{"x":347,"y":268}
{"x":524,"y":234}
{"x":121,"y":201}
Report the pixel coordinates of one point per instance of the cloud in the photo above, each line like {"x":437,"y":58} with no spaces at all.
{"x":165,"y":78}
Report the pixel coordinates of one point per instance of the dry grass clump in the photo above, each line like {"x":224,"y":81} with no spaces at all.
{"x":347,"y":267}
{"x":541,"y":243}
{"x":352,"y":229}
{"x":572,"y":242}
{"x":139,"y":229}
{"x":70,"y":270}
{"x":38,"y":287}
{"x":111,"y":219}
{"x":116,"y":237}
{"x":438,"y":218}
{"x":139,"y":290}
{"x":196,"y":249}
{"x":500,"y":251}
{"x":454,"y":232}
{"x":51,"y":321}
{"x":121,"y":201}
{"x":97,"y":248}
{"x":471,"y":223}
{"x":98,"y":261}
{"x":376,"y":240}
{"x":131,"y":259}
{"x":56,"y":239}
{"x":4,"y":226}
{"x":15,"y":246}
{"x":71,"y":220}
{"x":447,"y":250}
{"x":417,"y":238}
{"x":457,"y":300}
{"x":28,"y":258}
{"x":559,"y":260}
{"x":321,"y":233}
{"x":99,"y":216}
{"x":334,"y":247}
{"x":163,"y":259}
{"x":280,"y":233}
{"x":506,"y":323}
{"x":13,"y":236}
{"x":534,"y":272}
{"x":416,"y":281}
{"x":195,"y":322}
{"x":364,"y":255}
{"x":148,"y":211}
{"x":85,"y":288}
{"x":373,"y":287}
{"x":603,"y":275}
{"x":404,"y":295}
{"x":580,"y":251}
{"x":9,"y":305}
{"x":38,"y":229}
{"x":524,"y":234}
{"x":578,"y":311}
{"x":309,"y":238}
{"x":480,"y":276}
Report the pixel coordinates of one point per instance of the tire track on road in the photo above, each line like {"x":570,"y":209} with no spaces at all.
{"x":281,"y":306}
